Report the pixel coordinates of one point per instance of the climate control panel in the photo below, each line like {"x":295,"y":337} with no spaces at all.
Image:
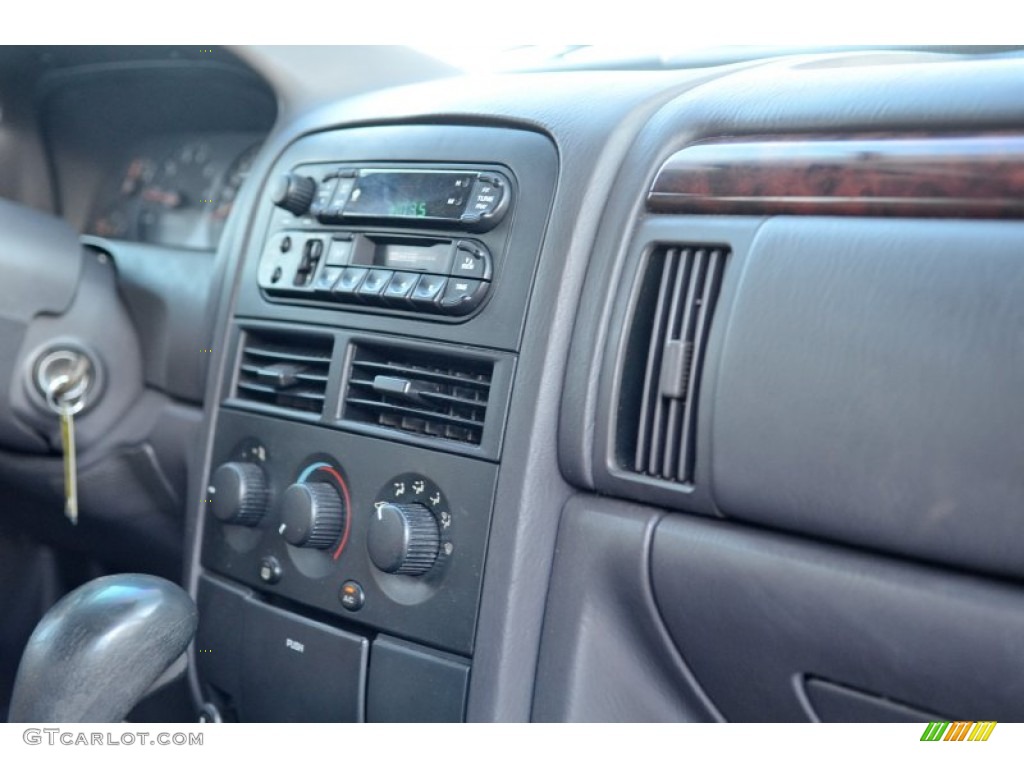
{"x":385,"y":535}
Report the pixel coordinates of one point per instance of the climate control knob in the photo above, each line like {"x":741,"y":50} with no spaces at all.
{"x":403,"y":538}
{"x":238,"y":493}
{"x":312,"y":515}
{"x":293,"y":192}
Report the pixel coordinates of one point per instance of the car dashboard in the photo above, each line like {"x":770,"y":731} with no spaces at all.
{"x":674,"y":395}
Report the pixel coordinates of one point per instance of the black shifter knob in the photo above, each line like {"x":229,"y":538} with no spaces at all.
{"x":99,"y":649}
{"x":293,"y":192}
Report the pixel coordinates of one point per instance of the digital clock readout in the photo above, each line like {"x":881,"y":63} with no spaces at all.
{"x":410,"y":194}
{"x":412,"y":208}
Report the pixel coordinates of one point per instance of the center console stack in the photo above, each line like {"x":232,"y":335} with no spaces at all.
{"x":357,"y":442}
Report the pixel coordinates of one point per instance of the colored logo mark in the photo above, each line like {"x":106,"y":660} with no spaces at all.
{"x":959,"y":731}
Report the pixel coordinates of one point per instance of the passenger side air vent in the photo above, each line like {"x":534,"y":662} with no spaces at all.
{"x":428,"y":393}
{"x":287,"y":370}
{"x":656,"y":429}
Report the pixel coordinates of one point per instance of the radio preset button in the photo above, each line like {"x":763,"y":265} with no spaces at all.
{"x":326,"y":279}
{"x":374,"y":283}
{"x":427,"y":291}
{"x":349,"y":281}
{"x":400,"y":287}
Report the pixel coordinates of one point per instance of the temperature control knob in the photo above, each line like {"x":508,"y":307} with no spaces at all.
{"x":403,"y":538}
{"x":293,"y":192}
{"x":238,"y":493}
{"x":312,"y":515}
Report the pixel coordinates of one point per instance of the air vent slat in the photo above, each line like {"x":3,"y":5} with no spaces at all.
{"x":670,"y":330}
{"x":419,"y":413}
{"x":646,"y":440}
{"x":286,"y":354}
{"x":435,"y":394}
{"x":429,"y":374}
{"x":688,"y":277}
{"x":284,"y":369}
{"x":255,"y":369}
{"x":712,"y":284}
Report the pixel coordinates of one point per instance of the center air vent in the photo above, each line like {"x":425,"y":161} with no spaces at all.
{"x":436,"y":394}
{"x":287,"y":370}
{"x":656,"y":430}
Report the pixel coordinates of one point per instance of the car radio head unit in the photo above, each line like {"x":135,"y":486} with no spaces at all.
{"x":385,"y":238}
{"x":470,"y":199}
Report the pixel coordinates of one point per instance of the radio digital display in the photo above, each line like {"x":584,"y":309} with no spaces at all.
{"x":410,"y":194}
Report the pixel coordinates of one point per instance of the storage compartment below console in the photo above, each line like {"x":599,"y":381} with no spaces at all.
{"x":261,"y":663}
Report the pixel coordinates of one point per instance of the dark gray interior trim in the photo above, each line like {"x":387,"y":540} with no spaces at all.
{"x":751,"y":612}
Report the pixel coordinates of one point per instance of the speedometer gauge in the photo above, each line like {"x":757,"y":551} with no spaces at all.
{"x":177,"y":204}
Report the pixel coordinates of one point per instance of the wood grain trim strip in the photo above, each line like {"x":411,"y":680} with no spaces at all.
{"x":868,"y":175}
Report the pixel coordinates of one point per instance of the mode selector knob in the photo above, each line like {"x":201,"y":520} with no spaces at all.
{"x":403,"y":538}
{"x":293,"y":192}
{"x":238,"y":493}
{"x":312,"y":515}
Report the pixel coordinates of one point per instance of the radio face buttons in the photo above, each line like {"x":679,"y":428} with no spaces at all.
{"x":419,"y":274}
{"x":400,"y":287}
{"x":462,"y":296}
{"x":327,"y":278}
{"x":346,"y":287}
{"x":471,"y":260}
{"x":488,"y":200}
{"x":427,"y":291}
{"x":339,"y":252}
{"x":374,"y":282}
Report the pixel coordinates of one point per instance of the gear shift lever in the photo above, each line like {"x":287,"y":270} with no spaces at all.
{"x":98,"y":650}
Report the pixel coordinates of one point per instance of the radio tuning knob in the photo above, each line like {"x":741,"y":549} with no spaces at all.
{"x":238,"y":493}
{"x":403,"y":538}
{"x":293,"y":192}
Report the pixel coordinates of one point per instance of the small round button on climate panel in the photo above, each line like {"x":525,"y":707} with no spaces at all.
{"x":316,"y":510}
{"x":351,"y":595}
{"x":270,"y":570}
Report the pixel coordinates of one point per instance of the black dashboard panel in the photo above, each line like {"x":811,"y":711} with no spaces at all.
{"x":356,"y":450}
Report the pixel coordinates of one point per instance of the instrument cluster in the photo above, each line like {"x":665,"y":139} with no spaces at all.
{"x":174,"y":191}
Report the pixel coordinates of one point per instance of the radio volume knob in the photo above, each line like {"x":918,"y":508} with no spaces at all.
{"x":293,"y":192}
{"x":403,"y":538}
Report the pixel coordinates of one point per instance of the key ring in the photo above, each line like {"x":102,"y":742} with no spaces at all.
{"x":73,"y":400}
